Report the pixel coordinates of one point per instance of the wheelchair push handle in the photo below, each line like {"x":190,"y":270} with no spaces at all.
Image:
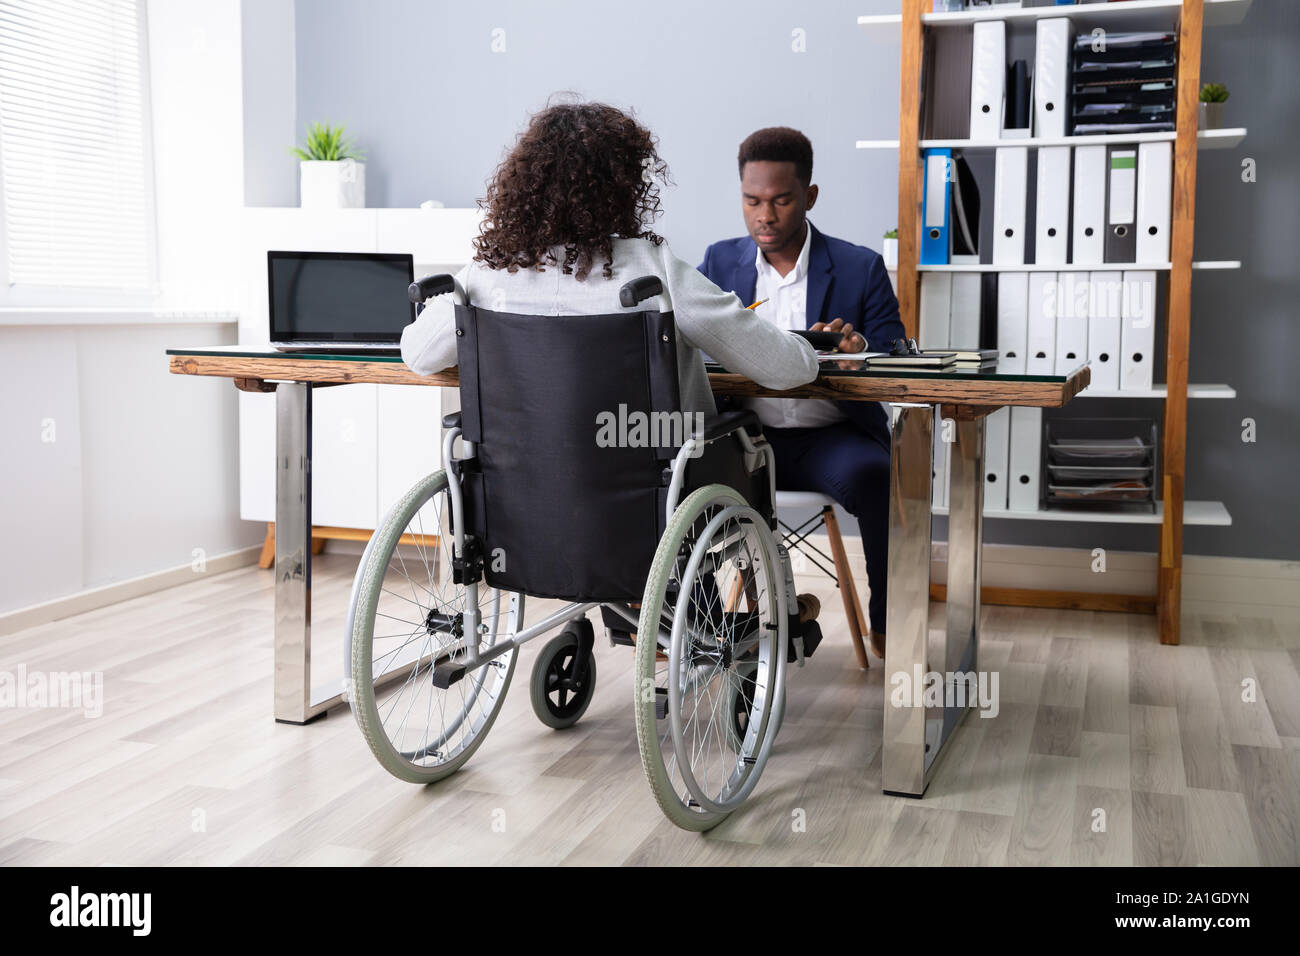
{"x":638,"y":290}
{"x":429,"y":286}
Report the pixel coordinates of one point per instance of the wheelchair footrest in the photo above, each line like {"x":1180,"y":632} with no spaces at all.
{"x":616,"y":627}
{"x":811,"y":632}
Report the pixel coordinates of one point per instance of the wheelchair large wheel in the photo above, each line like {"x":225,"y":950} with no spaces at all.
{"x":700,"y":764}
{"x":406,"y":618}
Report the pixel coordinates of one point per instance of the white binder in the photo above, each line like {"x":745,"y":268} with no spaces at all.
{"x":1024,"y":458}
{"x":939,"y":473}
{"x":1051,"y":76}
{"x":1154,"y":194}
{"x":1138,"y":333}
{"x":964,"y":318}
{"x":1072,"y":304}
{"x":988,"y":77}
{"x":997,"y":437}
{"x":1089,"y":227}
{"x":1040,"y":350}
{"x":1105,"y":315}
{"x":1010,"y":183}
{"x":1052,"y":204}
{"x":1013,"y":321}
{"x":936,"y":302}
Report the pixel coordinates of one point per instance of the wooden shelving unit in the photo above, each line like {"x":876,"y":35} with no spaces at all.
{"x":1188,"y":17}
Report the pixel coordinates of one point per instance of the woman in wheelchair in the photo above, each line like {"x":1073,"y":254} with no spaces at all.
{"x":595,"y":470}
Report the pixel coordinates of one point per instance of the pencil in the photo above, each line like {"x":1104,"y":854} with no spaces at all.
{"x":756,"y":304}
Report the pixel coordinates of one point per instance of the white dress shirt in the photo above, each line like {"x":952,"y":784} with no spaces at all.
{"x":786,"y":308}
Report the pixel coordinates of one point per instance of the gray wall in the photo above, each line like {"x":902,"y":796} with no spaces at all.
{"x":435,"y":107}
{"x":266,"y":47}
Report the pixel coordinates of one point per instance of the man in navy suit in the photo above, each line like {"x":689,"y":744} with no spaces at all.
{"x":805,"y":279}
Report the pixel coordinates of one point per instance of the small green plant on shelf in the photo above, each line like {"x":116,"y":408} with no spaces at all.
{"x":892,"y":234}
{"x":1214,"y":93}
{"x":326,"y":143}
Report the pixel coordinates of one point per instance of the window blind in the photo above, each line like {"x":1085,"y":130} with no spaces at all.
{"x":75,"y":173}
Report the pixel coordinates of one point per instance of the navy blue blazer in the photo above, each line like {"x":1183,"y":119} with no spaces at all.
{"x":844,"y":282}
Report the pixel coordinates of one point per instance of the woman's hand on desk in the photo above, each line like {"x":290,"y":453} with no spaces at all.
{"x":852,"y":341}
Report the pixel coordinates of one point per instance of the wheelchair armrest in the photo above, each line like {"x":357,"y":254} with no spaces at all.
{"x":451,"y":420}
{"x":728,"y":422}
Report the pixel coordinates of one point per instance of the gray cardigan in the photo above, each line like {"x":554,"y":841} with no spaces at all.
{"x":708,"y":320}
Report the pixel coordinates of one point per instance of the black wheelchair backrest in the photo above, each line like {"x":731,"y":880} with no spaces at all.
{"x":575,"y":420}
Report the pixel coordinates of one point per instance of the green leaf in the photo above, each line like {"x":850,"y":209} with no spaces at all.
{"x":326,"y":142}
{"x":1214,"y":93}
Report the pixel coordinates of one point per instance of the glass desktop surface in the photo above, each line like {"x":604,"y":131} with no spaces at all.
{"x":266,"y":352}
{"x":860,"y":368}
{"x":856,"y":368}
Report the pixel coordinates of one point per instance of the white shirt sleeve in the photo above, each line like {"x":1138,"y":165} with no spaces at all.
{"x":718,"y":324}
{"x":429,"y":343}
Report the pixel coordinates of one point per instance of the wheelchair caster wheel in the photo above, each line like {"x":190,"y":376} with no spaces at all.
{"x":561,"y":686}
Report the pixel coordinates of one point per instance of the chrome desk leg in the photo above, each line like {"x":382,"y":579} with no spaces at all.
{"x":965,"y":538}
{"x":293,"y":552}
{"x":965,"y":534}
{"x":904,"y":754}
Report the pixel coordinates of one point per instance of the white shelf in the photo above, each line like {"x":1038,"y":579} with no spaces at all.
{"x":1133,"y":14}
{"x":1205,"y":513}
{"x":1205,"y":139}
{"x":1228,"y":138}
{"x":1160,"y":392}
{"x":1075,"y":267}
{"x":1034,"y":267}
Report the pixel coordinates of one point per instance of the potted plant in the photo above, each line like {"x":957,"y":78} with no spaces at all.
{"x":1213,"y":96}
{"x":889,"y":249}
{"x":331,"y":174}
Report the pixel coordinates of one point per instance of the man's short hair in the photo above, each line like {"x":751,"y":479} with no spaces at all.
{"x":779,"y":144}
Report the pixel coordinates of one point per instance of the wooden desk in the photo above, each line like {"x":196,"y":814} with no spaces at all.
{"x":914,"y":734}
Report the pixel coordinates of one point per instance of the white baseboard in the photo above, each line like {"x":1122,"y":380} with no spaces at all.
{"x":1207,"y":579}
{"x":94,"y":598}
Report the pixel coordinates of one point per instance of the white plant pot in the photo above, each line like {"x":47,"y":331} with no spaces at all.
{"x":1211,"y":115}
{"x":889,"y":250}
{"x":325,"y":184}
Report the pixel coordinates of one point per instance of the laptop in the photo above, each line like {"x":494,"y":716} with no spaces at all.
{"x":339,"y":301}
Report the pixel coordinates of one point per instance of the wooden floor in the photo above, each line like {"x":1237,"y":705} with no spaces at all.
{"x":186,"y":766}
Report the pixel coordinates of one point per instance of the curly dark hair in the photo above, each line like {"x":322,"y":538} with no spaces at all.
{"x":580,"y":176}
{"x":779,"y":144}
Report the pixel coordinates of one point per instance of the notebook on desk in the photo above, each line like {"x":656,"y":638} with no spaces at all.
{"x":339,"y":301}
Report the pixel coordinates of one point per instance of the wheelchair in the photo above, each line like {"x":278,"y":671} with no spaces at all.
{"x":667,"y":532}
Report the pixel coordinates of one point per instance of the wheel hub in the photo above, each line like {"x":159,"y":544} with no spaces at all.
{"x":453,"y":624}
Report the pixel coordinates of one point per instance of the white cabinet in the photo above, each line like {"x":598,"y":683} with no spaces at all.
{"x":370,"y":443}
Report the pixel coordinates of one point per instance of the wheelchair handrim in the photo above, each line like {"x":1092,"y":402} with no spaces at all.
{"x":745,"y":775}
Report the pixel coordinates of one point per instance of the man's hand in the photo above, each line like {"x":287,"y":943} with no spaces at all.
{"x":852,"y":342}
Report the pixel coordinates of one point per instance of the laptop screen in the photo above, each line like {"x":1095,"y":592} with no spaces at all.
{"x":339,"y":296}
